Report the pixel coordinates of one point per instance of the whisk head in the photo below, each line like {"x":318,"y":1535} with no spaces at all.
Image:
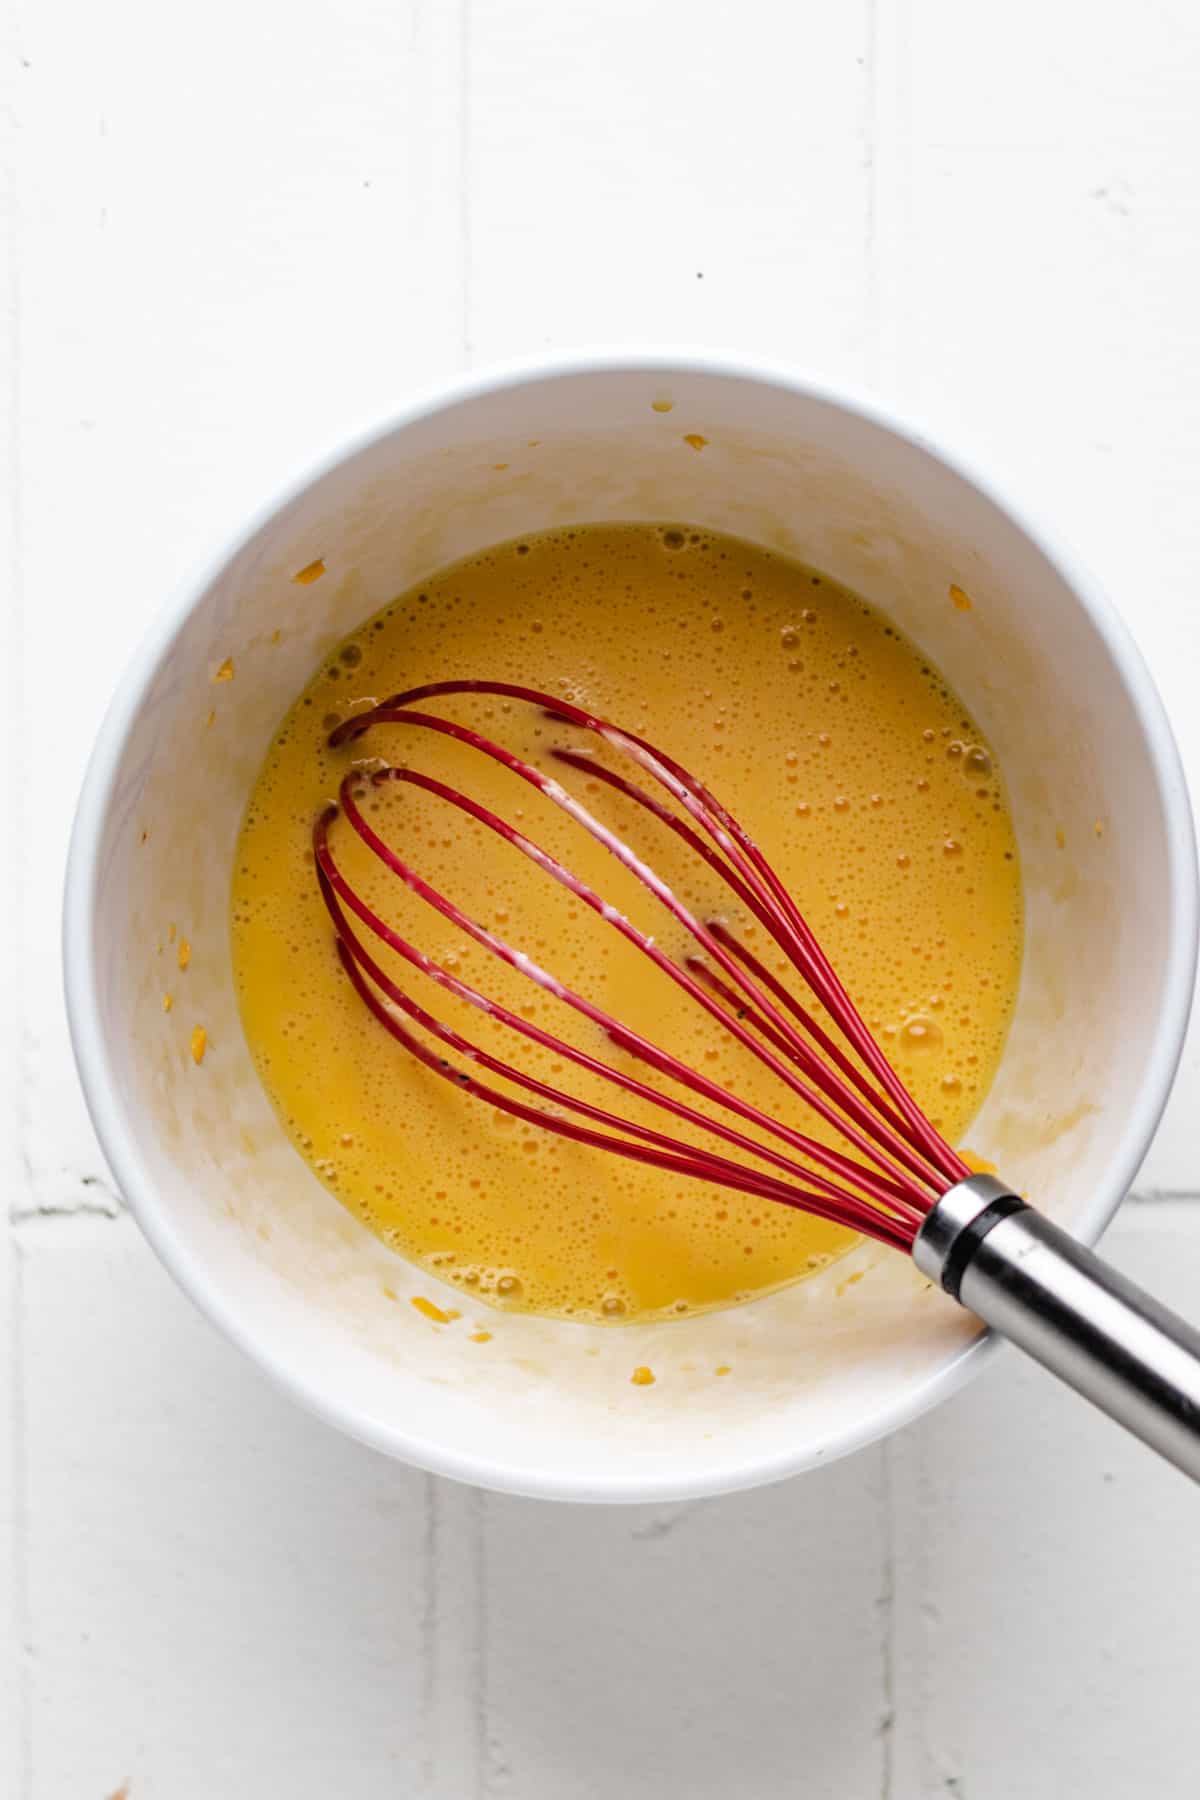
{"x":887,"y":1165}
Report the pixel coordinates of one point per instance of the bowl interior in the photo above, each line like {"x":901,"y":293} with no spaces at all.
{"x":548,"y":1407}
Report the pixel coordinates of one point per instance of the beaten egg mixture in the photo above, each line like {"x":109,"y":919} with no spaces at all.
{"x":827,"y":734}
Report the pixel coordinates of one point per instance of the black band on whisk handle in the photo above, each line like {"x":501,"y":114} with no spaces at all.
{"x":1023,"y":1275}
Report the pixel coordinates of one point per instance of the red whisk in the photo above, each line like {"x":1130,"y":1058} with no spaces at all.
{"x":896,"y":1179}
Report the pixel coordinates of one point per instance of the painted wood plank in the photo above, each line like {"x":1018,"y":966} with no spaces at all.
{"x":1048,"y":1580}
{"x":1038,"y":246}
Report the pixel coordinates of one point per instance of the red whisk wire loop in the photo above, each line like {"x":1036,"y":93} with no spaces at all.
{"x":894,"y":1163}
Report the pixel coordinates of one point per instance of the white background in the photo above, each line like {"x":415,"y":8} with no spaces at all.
{"x":235,"y":233}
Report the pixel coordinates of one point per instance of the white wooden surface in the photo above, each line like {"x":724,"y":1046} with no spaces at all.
{"x":233,"y":234}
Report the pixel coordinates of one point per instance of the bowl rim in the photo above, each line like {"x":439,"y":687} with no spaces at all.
{"x":107,"y":1111}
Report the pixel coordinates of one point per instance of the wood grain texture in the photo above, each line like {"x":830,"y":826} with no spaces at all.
{"x":228,"y":242}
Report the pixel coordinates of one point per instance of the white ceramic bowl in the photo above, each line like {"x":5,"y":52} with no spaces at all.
{"x":547,"y":1408}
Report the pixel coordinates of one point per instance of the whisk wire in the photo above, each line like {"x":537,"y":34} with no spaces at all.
{"x":830,"y":1202}
{"x":881,"y":1189}
{"x":909,"y":1162}
{"x":895,"y":1152}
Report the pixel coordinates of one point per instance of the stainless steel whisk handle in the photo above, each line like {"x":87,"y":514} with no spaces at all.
{"x":1019,"y":1272}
